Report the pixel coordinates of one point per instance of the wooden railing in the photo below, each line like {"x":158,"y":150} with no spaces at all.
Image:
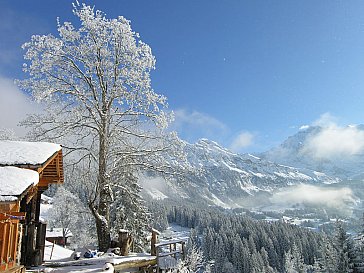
{"x":169,"y":252}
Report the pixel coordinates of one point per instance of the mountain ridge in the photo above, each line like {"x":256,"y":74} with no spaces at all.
{"x":227,"y":178}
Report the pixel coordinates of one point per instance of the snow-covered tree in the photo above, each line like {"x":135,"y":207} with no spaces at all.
{"x":7,"y":134}
{"x":289,"y":263}
{"x":358,"y":260}
{"x":344,"y":248}
{"x":328,"y":261}
{"x":94,"y":80}
{"x":129,"y":212}
{"x":193,"y":263}
{"x":65,"y":212}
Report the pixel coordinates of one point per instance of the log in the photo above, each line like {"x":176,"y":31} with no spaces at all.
{"x":137,"y":263}
{"x":125,"y":242}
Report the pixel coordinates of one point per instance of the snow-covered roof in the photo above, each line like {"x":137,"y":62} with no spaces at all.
{"x":14,"y":181}
{"x":8,"y":198}
{"x":57,"y":232}
{"x":26,"y":153}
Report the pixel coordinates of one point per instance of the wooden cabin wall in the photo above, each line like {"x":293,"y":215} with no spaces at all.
{"x":33,"y":240}
{"x":9,"y":234}
{"x":8,"y":243}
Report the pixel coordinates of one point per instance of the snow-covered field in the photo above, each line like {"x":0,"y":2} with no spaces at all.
{"x":175,"y":231}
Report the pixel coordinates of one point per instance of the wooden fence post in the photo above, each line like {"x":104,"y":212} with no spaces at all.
{"x":153,"y":241}
{"x":125,"y":241}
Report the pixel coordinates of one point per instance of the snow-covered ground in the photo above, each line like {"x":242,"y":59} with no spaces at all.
{"x":60,"y":260}
{"x":175,"y":231}
{"x":58,"y":252}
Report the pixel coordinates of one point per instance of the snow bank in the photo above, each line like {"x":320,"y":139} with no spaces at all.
{"x":58,"y":253}
{"x":14,"y":181}
{"x":20,"y":152}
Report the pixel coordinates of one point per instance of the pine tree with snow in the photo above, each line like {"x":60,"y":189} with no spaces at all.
{"x":298,"y":261}
{"x":326,"y":258}
{"x":343,"y":248}
{"x":129,"y":211}
{"x":289,"y":263}
{"x":193,"y":263}
{"x":265,"y":258}
{"x":358,"y":260}
{"x":294,"y":261}
{"x":7,"y":134}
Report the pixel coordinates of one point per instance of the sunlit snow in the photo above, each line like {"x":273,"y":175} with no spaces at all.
{"x":21,"y":152}
{"x":14,"y":181}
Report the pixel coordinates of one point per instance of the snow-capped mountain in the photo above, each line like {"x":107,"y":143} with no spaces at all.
{"x":227,"y":178}
{"x":293,"y":152}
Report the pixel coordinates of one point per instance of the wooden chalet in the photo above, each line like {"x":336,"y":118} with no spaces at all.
{"x":58,"y":236}
{"x":26,"y":171}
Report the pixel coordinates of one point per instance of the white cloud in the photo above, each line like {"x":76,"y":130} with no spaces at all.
{"x":193,"y":124}
{"x":313,"y":195}
{"x":243,"y":140}
{"x":325,"y":120}
{"x":14,"y":106}
{"x":334,"y":141}
{"x":197,"y":119}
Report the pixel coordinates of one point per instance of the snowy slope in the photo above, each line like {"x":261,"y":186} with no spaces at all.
{"x":226,"y":178}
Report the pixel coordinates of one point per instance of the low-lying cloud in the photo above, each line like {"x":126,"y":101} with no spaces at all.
{"x":325,"y":120}
{"x":335,"y":142}
{"x":314,"y":195}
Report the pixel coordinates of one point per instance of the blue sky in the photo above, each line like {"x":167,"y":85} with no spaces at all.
{"x":247,"y":74}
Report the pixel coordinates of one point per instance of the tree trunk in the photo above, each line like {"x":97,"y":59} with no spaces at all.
{"x":103,"y":234}
{"x":105,"y":198}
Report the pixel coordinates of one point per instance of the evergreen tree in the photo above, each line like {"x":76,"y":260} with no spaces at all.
{"x":343,"y":248}
{"x":129,"y":210}
{"x":329,"y":261}
{"x":298,"y":262}
{"x":359,"y":250}
{"x":267,"y":268}
{"x":289,"y":263}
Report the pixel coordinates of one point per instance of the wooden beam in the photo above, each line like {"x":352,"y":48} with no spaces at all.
{"x":45,"y":180}
{"x":16,"y":216}
{"x":137,"y":263}
{"x":16,"y":269}
{"x":49,"y":160}
{"x":31,"y":193}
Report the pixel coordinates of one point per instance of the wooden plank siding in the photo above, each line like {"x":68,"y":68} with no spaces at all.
{"x":9,"y":228}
